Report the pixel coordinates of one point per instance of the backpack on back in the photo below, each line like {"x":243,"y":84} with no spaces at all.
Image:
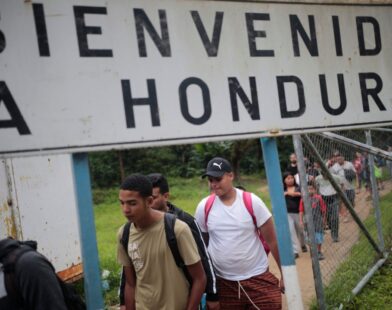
{"x":248,"y":204}
{"x":72,"y":300}
{"x":349,"y":174}
{"x":169,"y":221}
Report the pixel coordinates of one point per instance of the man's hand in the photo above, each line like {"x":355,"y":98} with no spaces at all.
{"x":213,"y":305}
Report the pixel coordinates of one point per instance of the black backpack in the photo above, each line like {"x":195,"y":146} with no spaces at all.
{"x":171,"y":239}
{"x":10,"y":258}
{"x":349,"y":174}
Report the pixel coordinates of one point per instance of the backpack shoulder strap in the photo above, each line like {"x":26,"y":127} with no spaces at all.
{"x":125,"y":236}
{"x":208,"y":206}
{"x":248,"y":204}
{"x":170,"y":221}
{"x":247,"y":197}
{"x":171,"y":239}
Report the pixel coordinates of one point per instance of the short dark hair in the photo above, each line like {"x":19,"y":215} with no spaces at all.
{"x":312,"y":183}
{"x":158,"y":180}
{"x":138,"y":183}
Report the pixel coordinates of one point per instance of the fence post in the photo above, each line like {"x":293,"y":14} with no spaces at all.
{"x":375,"y":196}
{"x":91,"y":273}
{"x":275,"y":185}
{"x":318,"y":282}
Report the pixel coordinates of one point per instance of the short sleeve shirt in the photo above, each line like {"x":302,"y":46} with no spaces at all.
{"x":234,"y":246}
{"x":160,"y":284}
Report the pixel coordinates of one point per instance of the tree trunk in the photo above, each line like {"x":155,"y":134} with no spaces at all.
{"x":121,"y":162}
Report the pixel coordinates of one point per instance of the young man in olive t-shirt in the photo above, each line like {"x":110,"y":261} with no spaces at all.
{"x":153,"y":280}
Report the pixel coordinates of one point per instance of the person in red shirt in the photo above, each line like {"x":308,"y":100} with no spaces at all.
{"x":319,"y":210}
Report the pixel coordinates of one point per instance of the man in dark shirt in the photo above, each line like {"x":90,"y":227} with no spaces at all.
{"x":32,"y":284}
{"x":292,"y":166}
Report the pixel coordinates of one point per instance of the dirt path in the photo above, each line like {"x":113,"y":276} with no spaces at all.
{"x":334,"y":253}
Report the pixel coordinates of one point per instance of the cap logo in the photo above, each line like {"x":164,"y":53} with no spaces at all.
{"x":218,"y":165}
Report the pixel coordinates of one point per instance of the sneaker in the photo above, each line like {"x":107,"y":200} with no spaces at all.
{"x":296,"y":255}
{"x":304,"y":249}
{"x":320,"y":256}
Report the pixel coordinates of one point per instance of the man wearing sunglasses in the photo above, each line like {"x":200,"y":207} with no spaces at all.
{"x":239,"y":258}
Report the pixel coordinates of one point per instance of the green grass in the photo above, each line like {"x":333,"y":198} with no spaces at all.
{"x":377,"y":293}
{"x":184,"y":193}
{"x":362,"y":257}
{"x":108,"y":219}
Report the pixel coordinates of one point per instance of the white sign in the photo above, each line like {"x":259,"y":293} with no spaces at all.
{"x":90,"y":75}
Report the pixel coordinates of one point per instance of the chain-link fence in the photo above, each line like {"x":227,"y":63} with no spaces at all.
{"x":354,"y":223}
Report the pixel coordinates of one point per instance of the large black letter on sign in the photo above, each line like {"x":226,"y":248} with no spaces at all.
{"x":282,"y":96}
{"x":324,"y":95}
{"x":363,"y":51}
{"x":365,"y":92}
{"x":211,"y":46}
{"x":17,"y":119}
{"x":184,"y":101}
{"x":336,"y":32}
{"x":142,"y":21}
{"x":129,"y":102}
{"x":2,"y":42}
{"x":40,"y":28}
{"x":311,"y":43}
{"x":253,"y":34}
{"x":251,"y":106}
{"x":83,"y":30}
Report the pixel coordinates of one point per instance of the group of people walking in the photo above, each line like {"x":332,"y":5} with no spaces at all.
{"x":170,"y":259}
{"x":325,"y":202}
{"x":224,"y":248}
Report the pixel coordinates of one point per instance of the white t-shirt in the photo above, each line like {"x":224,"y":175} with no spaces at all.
{"x":234,"y":246}
{"x":325,"y":187}
{"x":339,"y":170}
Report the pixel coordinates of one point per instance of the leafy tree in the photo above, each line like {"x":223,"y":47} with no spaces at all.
{"x":109,"y":168}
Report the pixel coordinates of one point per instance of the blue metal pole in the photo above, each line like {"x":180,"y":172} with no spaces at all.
{"x":279,"y":211}
{"x":91,"y":271}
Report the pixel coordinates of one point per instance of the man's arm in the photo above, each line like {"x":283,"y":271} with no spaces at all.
{"x":129,"y":289}
{"x":199,"y":281}
{"x":268,"y":232}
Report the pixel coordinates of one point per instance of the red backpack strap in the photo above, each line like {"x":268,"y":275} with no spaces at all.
{"x":208,"y":206}
{"x":247,"y":197}
{"x":248,"y":204}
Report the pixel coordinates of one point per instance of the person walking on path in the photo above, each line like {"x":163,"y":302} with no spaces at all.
{"x":160,"y":194}
{"x":346,"y":171}
{"x":292,"y":195}
{"x":319,"y":210}
{"x":292,"y":166}
{"x":240,"y":260}
{"x":331,"y":198}
{"x":358,"y":163}
{"x":152,"y":278}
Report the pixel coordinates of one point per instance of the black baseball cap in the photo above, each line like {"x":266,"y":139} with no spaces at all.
{"x":217,"y":167}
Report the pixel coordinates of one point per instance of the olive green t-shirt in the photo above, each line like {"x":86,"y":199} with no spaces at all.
{"x":160,"y":284}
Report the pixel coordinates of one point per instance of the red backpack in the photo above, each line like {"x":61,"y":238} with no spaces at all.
{"x":248,"y":204}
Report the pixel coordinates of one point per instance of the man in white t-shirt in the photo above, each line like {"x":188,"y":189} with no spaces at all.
{"x":331,"y":198}
{"x":346,"y":171}
{"x":239,"y":258}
